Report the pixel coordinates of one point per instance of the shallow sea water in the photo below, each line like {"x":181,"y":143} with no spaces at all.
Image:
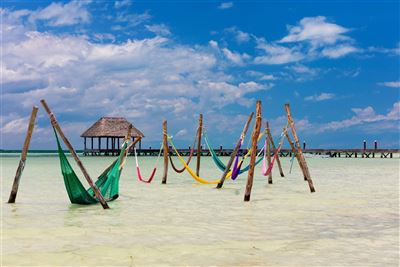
{"x":351,"y":220}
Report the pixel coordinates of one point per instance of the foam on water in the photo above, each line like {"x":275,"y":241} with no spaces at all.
{"x":352,"y":219}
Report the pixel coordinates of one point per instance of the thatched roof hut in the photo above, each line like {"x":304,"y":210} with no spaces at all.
{"x":111,"y":127}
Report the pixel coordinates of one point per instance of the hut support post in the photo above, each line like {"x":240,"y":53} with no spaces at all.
{"x":73,"y":153}
{"x":268,"y":153}
{"x":165,"y":152}
{"x":21,"y":165}
{"x":199,"y":148}
{"x":253,"y":155}
{"x":278,"y":161}
{"x":228,"y":166}
{"x":298,"y":148}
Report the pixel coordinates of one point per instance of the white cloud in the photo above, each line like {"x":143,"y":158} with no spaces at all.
{"x":365,"y":116}
{"x":159,"y":29}
{"x":268,"y":77}
{"x":213,"y":44}
{"x":276,"y":54}
{"x":58,"y":14}
{"x":139,"y":79}
{"x":128,"y":20}
{"x":394,"y":84}
{"x":104,"y":37}
{"x":122,"y":3}
{"x":316,"y":30}
{"x":339,"y":51}
{"x":302,"y":69}
{"x":234,"y":57}
{"x":261,"y":76}
{"x":312,"y":38}
{"x":181,"y":133}
{"x":240,"y":36}
{"x":390,"y":51}
{"x":225,"y":5}
{"x":320,"y":97}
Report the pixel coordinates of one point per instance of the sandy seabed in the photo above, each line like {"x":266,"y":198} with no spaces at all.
{"x":352,"y":219}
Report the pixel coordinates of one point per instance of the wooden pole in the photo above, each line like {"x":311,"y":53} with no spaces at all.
{"x":165,"y":143}
{"x":127,"y":137}
{"x":124,"y":157}
{"x":55,"y":124}
{"x":199,"y":148}
{"x":235,"y":150}
{"x":294,"y":150}
{"x":299,"y":151}
{"x":24,"y":152}
{"x":253,"y":155}
{"x":278,"y":161}
{"x":268,"y":154}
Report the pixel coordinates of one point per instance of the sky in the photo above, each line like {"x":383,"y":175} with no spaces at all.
{"x":336,"y":62}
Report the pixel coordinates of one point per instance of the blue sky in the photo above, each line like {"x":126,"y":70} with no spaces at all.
{"x":336,"y":63}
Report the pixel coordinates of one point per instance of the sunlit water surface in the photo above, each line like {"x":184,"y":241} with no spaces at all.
{"x":351,"y":220}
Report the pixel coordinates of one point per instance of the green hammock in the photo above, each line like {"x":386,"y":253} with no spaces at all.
{"x":108,"y":182}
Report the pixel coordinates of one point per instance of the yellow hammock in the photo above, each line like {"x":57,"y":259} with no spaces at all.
{"x":193,"y":174}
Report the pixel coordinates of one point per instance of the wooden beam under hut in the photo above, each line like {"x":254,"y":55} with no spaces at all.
{"x":253,"y":154}
{"x":55,"y":124}
{"x":298,"y":148}
{"x":21,"y":165}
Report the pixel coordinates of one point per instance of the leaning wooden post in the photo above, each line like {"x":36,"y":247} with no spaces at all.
{"x":165,"y":152}
{"x":199,"y":144}
{"x":55,"y":124}
{"x":278,"y":161}
{"x":253,"y":155}
{"x":235,"y":151}
{"x":268,"y":153}
{"x":294,"y":150}
{"x":21,"y":165}
{"x":299,"y":151}
{"x":127,"y":137}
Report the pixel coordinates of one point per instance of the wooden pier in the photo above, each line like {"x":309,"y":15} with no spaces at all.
{"x":331,"y":153}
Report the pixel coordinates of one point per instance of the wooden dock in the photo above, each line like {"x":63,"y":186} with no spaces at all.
{"x":331,"y":153}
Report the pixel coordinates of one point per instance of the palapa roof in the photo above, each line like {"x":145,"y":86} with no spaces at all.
{"x":111,"y":127}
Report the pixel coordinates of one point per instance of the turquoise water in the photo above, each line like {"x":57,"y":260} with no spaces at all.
{"x":352,"y":219}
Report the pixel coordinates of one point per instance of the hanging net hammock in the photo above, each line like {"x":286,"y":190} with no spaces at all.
{"x":266,"y":171}
{"x":190,"y":170}
{"x":218,"y":162}
{"x":189,"y":158}
{"x":107,"y":182}
{"x":154,"y":169}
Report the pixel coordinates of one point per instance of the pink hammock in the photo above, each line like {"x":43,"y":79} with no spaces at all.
{"x":266,"y":171}
{"x":147,"y":181}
